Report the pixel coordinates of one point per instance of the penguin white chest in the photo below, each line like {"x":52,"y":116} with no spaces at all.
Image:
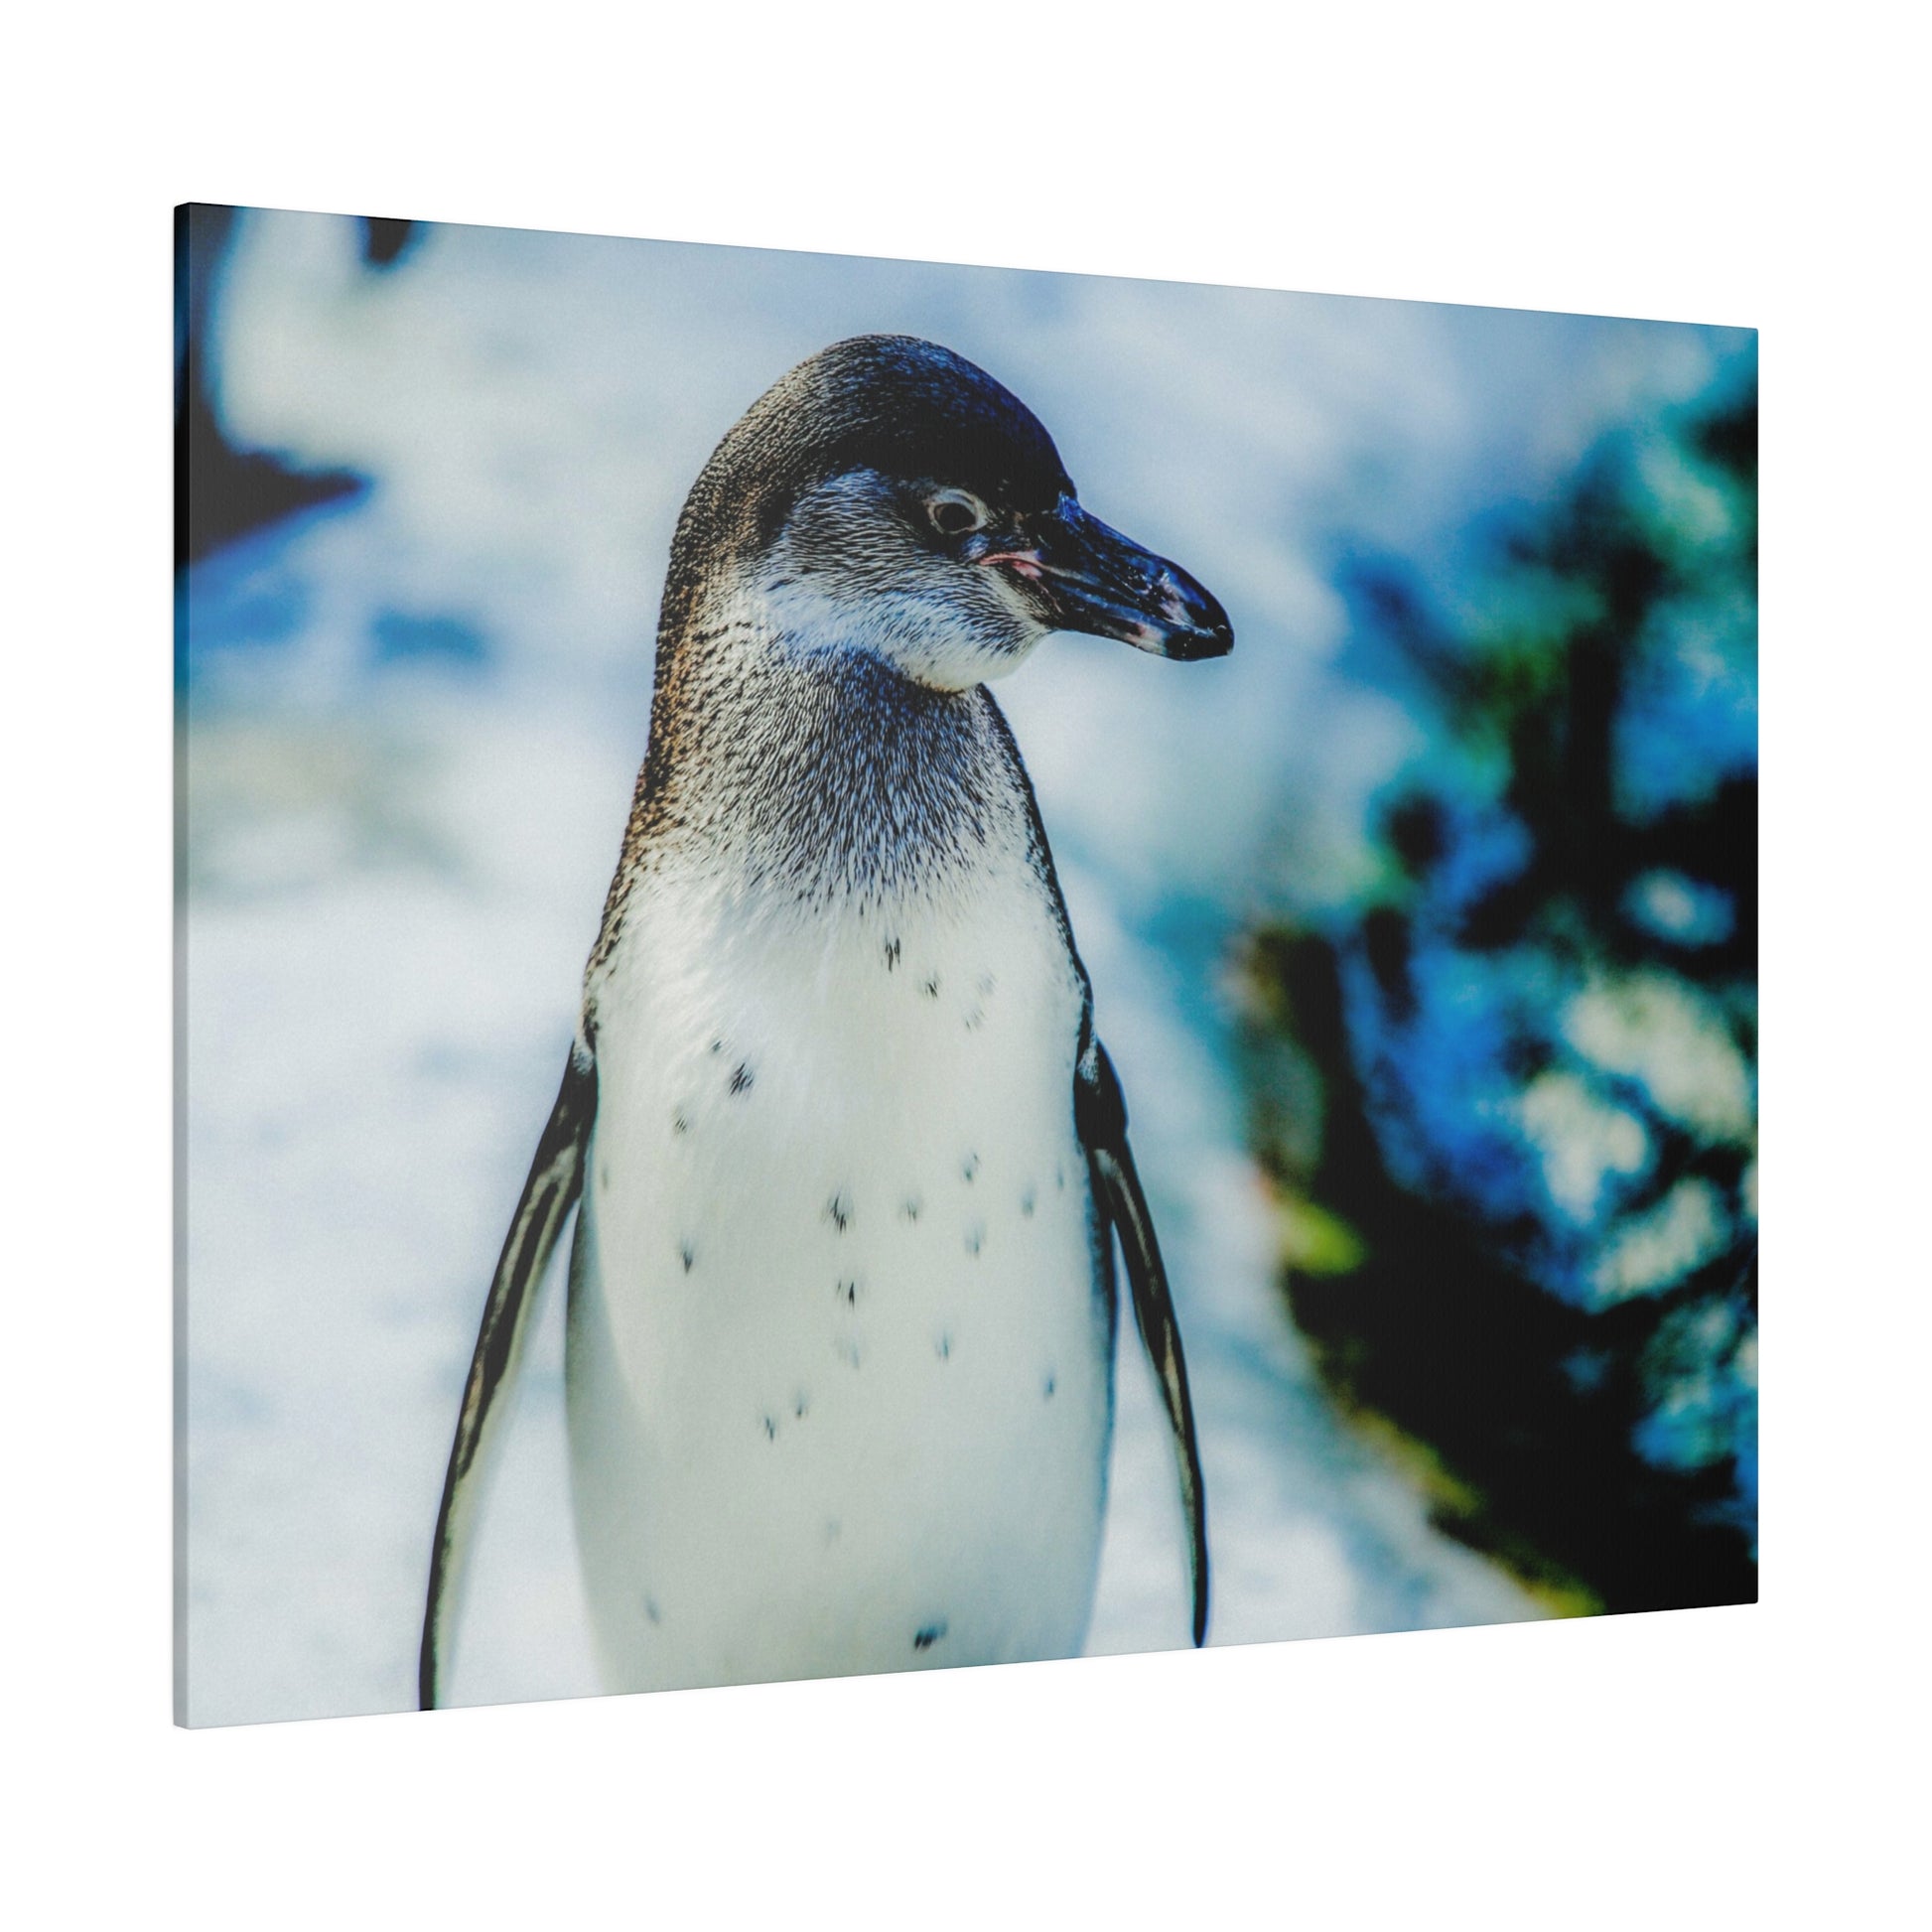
{"x":840,"y":1371}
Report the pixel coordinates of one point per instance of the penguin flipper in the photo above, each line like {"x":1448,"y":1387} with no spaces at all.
{"x":1100,"y":1113}
{"x":556,"y":1178}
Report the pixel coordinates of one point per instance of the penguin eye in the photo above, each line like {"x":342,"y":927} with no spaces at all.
{"x":954,"y":513}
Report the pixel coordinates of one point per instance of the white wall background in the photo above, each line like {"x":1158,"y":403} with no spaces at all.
{"x":1689,"y":161}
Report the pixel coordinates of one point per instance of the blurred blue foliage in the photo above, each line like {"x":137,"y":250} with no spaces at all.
{"x":1542,"y":1017}
{"x":249,"y":595}
{"x":403,"y":637}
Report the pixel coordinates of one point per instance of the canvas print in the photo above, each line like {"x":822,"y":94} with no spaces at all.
{"x":886,"y":966}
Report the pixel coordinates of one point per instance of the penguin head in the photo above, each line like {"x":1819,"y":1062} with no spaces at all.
{"x":888,"y":498}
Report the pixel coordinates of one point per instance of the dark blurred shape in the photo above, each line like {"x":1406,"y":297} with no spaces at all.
{"x":1520,"y":1228}
{"x":386,"y":239}
{"x":221,"y":492}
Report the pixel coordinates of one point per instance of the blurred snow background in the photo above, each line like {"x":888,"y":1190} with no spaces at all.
{"x":412,"y":720}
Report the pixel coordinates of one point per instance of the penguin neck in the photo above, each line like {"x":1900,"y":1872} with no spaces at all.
{"x":809,"y":769}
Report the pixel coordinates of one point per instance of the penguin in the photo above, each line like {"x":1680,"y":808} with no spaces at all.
{"x":848,"y":1159}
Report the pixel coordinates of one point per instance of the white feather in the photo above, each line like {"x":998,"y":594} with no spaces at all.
{"x":801,"y":1447}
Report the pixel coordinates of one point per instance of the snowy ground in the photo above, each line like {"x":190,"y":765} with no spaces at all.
{"x":413,"y":726}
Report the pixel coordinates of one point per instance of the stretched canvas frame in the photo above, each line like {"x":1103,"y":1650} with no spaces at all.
{"x":1420,"y":929}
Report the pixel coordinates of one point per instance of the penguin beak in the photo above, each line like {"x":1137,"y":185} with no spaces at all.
{"x":1081,"y":576}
